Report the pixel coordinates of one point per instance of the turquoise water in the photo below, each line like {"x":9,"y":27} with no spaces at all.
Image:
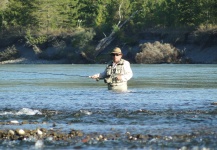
{"x":172,"y":102}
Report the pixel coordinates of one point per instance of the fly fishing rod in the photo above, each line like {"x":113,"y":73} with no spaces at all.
{"x":59,"y":74}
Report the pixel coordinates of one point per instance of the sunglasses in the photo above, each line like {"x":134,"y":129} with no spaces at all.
{"x":115,"y":54}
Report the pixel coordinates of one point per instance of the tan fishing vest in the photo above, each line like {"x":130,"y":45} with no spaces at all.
{"x":113,"y":72}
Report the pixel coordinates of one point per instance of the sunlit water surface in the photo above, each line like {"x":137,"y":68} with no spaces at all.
{"x":164,"y":100}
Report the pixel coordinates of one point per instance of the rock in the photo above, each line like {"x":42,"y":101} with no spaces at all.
{"x":25,"y":122}
{"x":14,"y":122}
{"x":39,"y":132}
{"x":100,"y":137}
{"x":20,"y":132}
{"x":11,"y":132}
{"x":86,"y":139}
{"x":214,"y":103}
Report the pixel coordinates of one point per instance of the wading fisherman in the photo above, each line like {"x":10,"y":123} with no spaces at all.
{"x":117,"y":72}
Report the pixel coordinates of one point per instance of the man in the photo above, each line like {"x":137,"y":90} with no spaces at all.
{"x":117,"y":72}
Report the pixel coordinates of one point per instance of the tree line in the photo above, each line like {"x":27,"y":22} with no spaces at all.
{"x":103,"y":15}
{"x":72,"y":28}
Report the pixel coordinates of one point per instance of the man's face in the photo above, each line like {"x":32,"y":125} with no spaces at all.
{"x":116,"y":57}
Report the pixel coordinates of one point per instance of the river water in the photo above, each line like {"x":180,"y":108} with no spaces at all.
{"x":173,"y":106}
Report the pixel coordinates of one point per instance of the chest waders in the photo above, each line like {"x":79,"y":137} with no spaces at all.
{"x":111,"y":77}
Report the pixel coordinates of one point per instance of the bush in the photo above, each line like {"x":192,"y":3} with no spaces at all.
{"x":35,"y":40}
{"x":157,"y":53}
{"x":9,"y":53}
{"x":205,"y":34}
{"x":83,"y":38}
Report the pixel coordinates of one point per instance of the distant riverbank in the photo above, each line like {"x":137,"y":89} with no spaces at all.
{"x":192,"y":53}
{"x":194,"y":47}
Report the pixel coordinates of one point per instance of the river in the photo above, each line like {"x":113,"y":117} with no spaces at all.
{"x":167,"y":106}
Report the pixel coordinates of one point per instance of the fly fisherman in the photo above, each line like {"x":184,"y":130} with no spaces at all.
{"x":117,"y":72}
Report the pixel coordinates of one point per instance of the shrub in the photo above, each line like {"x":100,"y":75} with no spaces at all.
{"x":157,"y":53}
{"x":9,"y":53}
{"x":35,"y":40}
{"x":83,"y":38}
{"x":205,"y":34}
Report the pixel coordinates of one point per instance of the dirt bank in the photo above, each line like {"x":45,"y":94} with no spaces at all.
{"x":192,"y":54}
{"x":195,"y":48}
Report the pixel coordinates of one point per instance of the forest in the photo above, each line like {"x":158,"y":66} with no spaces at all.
{"x":81,"y":26}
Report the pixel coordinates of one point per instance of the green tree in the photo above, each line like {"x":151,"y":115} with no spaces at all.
{"x":209,"y":11}
{"x":139,"y":20}
{"x":45,"y":14}
{"x":18,"y":13}
{"x":101,"y":13}
{"x":187,"y":15}
{"x":56,"y":14}
{"x":3,"y":6}
{"x":72,"y":14}
{"x":170,"y":11}
{"x":117,"y":12}
{"x":87,"y":10}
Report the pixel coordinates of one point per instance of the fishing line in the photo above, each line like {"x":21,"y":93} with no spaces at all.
{"x":59,"y":74}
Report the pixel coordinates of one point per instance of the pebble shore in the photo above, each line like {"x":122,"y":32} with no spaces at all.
{"x":57,"y":135}
{"x":77,"y":136}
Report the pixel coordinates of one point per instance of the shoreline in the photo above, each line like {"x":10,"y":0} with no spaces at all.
{"x":193,"y":46}
{"x":74,"y":136}
{"x":30,"y":61}
{"x":192,"y":54}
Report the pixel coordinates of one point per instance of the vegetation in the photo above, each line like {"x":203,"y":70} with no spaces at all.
{"x":9,"y":53}
{"x":80,"y":24}
{"x":49,"y":15}
{"x":157,"y":53}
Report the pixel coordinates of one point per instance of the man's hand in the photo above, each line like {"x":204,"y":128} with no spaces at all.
{"x":94,"y":76}
{"x":118,"y":77}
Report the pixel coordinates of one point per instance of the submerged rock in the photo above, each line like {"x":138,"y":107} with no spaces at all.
{"x":39,"y":144}
{"x":214,"y":103}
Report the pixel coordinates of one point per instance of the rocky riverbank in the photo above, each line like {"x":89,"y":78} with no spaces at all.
{"x":40,"y":136}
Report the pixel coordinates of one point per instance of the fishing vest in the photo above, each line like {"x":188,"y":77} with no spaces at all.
{"x":111,"y":73}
